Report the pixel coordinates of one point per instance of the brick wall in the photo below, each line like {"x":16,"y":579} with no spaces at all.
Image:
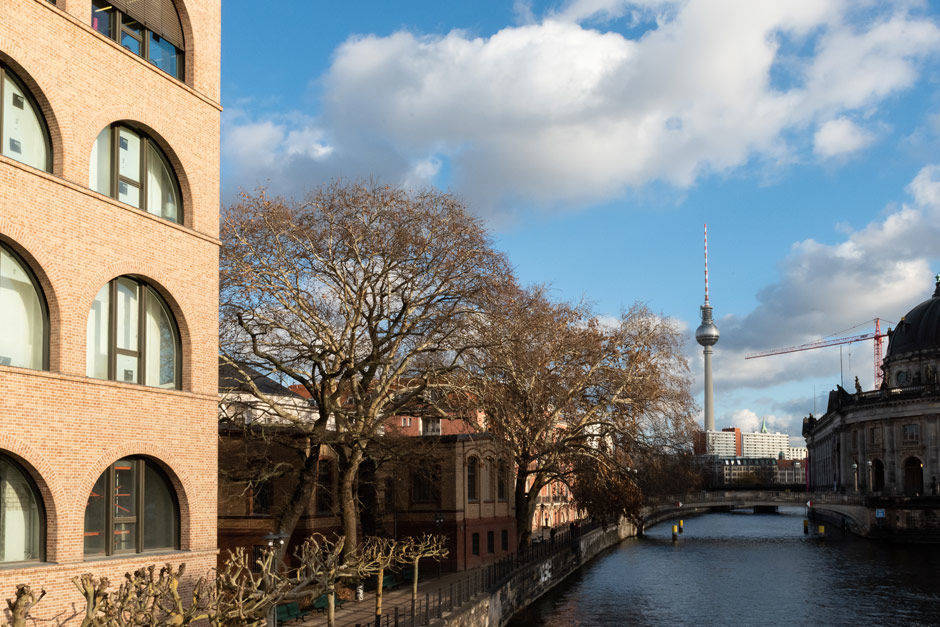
{"x":65,"y":428}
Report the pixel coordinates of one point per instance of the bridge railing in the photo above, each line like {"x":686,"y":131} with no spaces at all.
{"x":707,"y":497}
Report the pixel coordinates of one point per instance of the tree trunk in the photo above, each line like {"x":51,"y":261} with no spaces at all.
{"x":414,"y":589}
{"x":378,"y":598}
{"x":525,"y":509}
{"x":299,"y":501}
{"x":331,"y":608}
{"x":350,"y":513}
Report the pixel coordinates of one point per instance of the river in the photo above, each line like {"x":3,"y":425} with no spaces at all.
{"x":747,"y":569}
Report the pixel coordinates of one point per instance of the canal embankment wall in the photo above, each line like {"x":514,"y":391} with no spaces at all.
{"x":530,"y":583}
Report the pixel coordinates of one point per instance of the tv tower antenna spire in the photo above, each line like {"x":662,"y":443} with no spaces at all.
{"x":707,"y":336}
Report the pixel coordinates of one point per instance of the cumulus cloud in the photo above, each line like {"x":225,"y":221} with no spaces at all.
{"x":881,"y":270}
{"x":839,"y":137}
{"x":553,"y":111}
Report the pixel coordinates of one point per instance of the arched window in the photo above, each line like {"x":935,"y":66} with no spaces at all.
{"x":129,"y":166}
{"x":24,"y":320}
{"x":132,"y":336}
{"x":21,"y":514}
{"x":132,"y":508}
{"x":24,"y":133}
{"x":473,"y":478}
{"x":148,"y":28}
{"x":501,"y":477}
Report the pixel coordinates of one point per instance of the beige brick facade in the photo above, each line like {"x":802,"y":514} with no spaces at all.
{"x":65,"y":428}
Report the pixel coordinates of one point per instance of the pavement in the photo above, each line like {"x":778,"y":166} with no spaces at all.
{"x":363,"y":612}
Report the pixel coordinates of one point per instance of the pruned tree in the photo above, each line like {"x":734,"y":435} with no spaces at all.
{"x":556,"y":387}
{"x":382,"y":553}
{"x":361,"y":295}
{"x":413,"y":550}
{"x":22,"y":603}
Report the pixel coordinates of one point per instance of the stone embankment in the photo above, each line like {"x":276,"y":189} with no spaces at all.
{"x":528,"y":584}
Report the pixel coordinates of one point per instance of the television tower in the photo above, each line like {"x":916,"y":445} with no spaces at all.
{"x":707,"y":336}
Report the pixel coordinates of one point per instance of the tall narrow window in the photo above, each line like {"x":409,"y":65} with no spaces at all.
{"x":473,"y":478}
{"x":325,"y":487}
{"x":23,"y":130}
{"x":148,"y":28}
{"x":501,"y":477}
{"x":130,"y":167}
{"x":23,"y":315}
{"x":21,"y":515}
{"x":132,"y":508}
{"x":132,"y":336}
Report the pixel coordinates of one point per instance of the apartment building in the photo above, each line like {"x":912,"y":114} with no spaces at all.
{"x":109,"y":211}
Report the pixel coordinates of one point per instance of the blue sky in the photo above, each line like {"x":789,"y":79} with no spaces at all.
{"x":596,"y":137}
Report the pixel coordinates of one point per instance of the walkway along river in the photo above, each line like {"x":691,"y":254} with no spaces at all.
{"x":747,"y":569}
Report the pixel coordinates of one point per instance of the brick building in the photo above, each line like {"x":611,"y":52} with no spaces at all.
{"x":109,"y":204}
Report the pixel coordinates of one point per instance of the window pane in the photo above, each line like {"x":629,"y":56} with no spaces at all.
{"x":129,"y":154}
{"x":95,"y":516}
{"x":126,"y":368}
{"x":160,"y":352}
{"x":159,"y":511}
{"x":22,"y":136}
{"x":96,"y":361}
{"x":125,"y":488}
{"x":20,"y":518}
{"x":131,"y":34}
{"x":125,"y":537}
{"x":127,"y":308}
{"x":22,"y":322}
{"x":129,"y":193}
{"x":162,"y":199}
{"x":164,"y":55}
{"x":99,"y":171}
{"x":102,"y":16}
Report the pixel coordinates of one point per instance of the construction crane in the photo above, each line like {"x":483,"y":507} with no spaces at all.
{"x":876,"y":335}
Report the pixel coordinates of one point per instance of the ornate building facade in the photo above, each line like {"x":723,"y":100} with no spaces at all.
{"x":885,"y":441}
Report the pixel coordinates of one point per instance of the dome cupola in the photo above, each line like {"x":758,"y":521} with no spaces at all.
{"x":919,"y":330}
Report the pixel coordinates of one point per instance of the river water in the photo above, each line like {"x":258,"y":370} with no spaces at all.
{"x":747,"y":569}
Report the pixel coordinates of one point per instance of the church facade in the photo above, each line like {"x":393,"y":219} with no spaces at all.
{"x":884,"y":442}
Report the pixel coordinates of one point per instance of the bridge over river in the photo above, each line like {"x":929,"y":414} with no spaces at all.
{"x":845,"y":509}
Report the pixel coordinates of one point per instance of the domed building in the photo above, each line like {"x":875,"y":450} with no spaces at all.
{"x":884,"y":442}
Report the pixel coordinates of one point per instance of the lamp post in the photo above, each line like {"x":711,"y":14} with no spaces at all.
{"x":855,"y":474}
{"x":796,"y":471}
{"x":273,"y":539}
{"x":871,"y":482}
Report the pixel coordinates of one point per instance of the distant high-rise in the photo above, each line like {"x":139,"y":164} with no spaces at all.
{"x":707,"y":336}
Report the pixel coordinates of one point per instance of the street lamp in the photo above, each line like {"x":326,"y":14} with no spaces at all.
{"x":871,"y":483}
{"x":275,"y":539}
{"x":855,"y":474}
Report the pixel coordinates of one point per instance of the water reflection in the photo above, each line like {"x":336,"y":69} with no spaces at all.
{"x":746,"y":568}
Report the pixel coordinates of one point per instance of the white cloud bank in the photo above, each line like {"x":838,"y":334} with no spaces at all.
{"x":555,"y":112}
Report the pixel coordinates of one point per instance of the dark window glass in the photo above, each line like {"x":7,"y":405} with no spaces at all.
{"x":325,"y":487}
{"x":21,"y":515}
{"x":96,"y":517}
{"x":912,"y":433}
{"x":473,"y":466}
{"x":261,"y":499}
{"x":163,"y":54}
{"x":131,"y":508}
{"x":490,"y":542}
{"x":425,"y":485}
{"x":102,"y":17}
{"x":159,"y":511}
{"x":476,"y":544}
{"x":132,"y":34}
{"x":505,"y":539}
{"x":501,"y":481}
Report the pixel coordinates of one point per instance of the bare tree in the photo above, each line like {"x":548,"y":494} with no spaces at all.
{"x":361,"y":294}
{"x":382,"y":553}
{"x":557,"y":386}
{"x":413,"y":550}
{"x":22,"y":603}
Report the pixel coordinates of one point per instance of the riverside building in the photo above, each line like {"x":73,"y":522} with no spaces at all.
{"x":109,"y":208}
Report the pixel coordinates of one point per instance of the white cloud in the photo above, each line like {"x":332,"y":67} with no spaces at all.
{"x":882,"y":270}
{"x":840,"y":137}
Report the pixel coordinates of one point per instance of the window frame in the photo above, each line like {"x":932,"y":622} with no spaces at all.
{"x":43,"y":304}
{"x":6,"y":72}
{"x":474,"y":462}
{"x":325,"y":493}
{"x":118,"y":18}
{"x":142,"y":464}
{"x":475,"y":543}
{"x":40,"y":506}
{"x":116,"y":178}
{"x":141,"y":352}
{"x":502,"y":481}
